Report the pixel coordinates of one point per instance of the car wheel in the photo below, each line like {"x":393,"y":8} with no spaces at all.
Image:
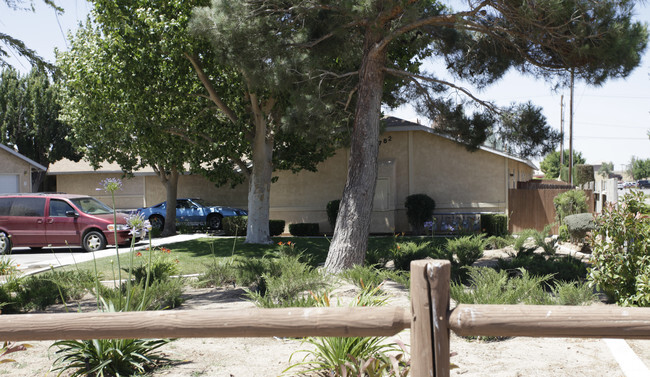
{"x":5,"y":243}
{"x":93,"y":241}
{"x":157,"y":222}
{"x":214,"y":222}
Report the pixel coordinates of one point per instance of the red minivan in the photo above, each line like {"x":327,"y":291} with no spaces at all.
{"x":38,"y":220}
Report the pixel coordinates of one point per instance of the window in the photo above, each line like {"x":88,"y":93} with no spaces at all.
{"x":28,"y":207}
{"x":5,"y":206}
{"x":58,"y":208}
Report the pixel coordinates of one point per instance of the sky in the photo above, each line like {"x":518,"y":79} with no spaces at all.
{"x":610,"y":122}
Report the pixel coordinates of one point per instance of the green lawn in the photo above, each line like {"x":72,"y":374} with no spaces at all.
{"x":193,"y":255}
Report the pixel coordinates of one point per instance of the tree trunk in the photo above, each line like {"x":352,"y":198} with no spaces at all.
{"x":350,"y":239}
{"x":171,"y":188}
{"x":37,"y":180}
{"x":259,"y":186}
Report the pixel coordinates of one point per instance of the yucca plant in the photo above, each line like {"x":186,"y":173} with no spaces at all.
{"x":354,"y":356}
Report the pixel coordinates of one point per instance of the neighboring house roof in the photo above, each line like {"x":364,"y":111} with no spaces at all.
{"x":66,"y":166}
{"x":394,"y":124}
{"x":20,"y":156}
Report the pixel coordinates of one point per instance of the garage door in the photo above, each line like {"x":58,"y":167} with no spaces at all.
{"x":8,"y":183}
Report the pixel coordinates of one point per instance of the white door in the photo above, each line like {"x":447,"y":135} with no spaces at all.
{"x":8,"y":183}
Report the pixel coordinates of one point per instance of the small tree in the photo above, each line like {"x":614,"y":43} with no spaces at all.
{"x":584,"y":174}
{"x":569,"y":203}
{"x":606,"y":169}
{"x":620,"y":250}
{"x":419,"y":208}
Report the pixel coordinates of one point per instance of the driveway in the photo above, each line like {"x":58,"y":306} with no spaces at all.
{"x":32,"y":262}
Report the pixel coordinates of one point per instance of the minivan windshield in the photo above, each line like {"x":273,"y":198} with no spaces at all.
{"x":91,"y":206}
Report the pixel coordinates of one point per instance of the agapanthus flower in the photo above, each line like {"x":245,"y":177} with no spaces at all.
{"x":110,"y":185}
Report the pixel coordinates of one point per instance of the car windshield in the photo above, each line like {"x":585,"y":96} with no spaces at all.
{"x":200,"y":202}
{"x":91,"y":206}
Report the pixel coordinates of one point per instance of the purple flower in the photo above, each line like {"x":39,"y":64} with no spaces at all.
{"x":110,"y":185}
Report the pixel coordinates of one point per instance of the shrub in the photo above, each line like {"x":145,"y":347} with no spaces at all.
{"x":569,"y":203}
{"x":419,"y":208}
{"x":159,"y":265}
{"x":332,"y":212}
{"x":579,"y":225}
{"x":584,"y":174}
{"x":286,"y":279}
{"x":234,"y":225}
{"x":573,"y":293}
{"x":276,"y":227}
{"x":467,"y":249}
{"x":304,"y":229}
{"x":563,"y":233}
{"x":219,"y":272}
{"x":404,"y":253}
{"x":620,"y":249}
{"x":353,"y":356}
{"x":498,"y":242}
{"x":493,"y":224}
{"x":565,"y":268}
{"x":539,"y":239}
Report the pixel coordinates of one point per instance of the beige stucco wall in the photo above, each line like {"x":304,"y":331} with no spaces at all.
{"x":412,"y":162}
{"x":12,"y":165}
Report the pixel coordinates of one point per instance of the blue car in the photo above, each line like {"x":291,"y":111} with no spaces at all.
{"x":190,"y":211}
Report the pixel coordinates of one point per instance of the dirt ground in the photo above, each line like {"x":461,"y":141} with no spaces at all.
{"x":266,"y":357}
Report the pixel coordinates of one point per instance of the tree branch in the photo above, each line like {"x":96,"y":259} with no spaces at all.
{"x":213,"y":95}
{"x":488,"y":105}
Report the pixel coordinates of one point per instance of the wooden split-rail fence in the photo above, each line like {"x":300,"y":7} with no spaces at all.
{"x":430,"y":320}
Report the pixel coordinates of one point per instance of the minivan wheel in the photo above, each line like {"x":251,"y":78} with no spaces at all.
{"x":5,"y":243}
{"x":93,"y":241}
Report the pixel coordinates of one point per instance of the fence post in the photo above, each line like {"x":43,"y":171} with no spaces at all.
{"x":430,"y":311}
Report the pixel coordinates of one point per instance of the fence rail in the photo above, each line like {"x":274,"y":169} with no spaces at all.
{"x":430,"y":321}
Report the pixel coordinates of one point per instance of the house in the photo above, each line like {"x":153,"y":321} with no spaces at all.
{"x":413,"y":159}
{"x":16,"y":171}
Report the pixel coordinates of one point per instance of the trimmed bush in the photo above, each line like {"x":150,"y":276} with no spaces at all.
{"x":276,"y":227}
{"x":467,"y":249}
{"x":419,"y":209}
{"x":332,"y":212}
{"x":406,"y":252}
{"x":578,"y":225}
{"x":494,"y":224}
{"x":304,"y":229}
{"x":584,"y":174}
{"x":234,"y":225}
{"x":569,"y":203}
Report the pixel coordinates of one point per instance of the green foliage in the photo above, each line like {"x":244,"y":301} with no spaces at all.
{"x":332,"y":210}
{"x":234,"y":225}
{"x":494,"y":224}
{"x":304,"y":229}
{"x":560,"y":268}
{"x":353,"y":356}
{"x":606,"y":169}
{"x":550,"y":165}
{"x":276,"y":227}
{"x":218,"y":273}
{"x":107,"y":357}
{"x":42,"y":290}
{"x":30,"y":118}
{"x":158,"y":265}
{"x":404,"y":253}
{"x":488,"y":286}
{"x":584,"y":174}
{"x":639,"y":168}
{"x":620,"y":249}
{"x":573,"y":293}
{"x":419,"y":209}
{"x":498,"y":242}
{"x":569,"y":203}
{"x":286,"y":282}
{"x":563,"y":233}
{"x":532,"y":238}
{"x":467,"y":249}
{"x":161,"y":294}
{"x":579,"y":225}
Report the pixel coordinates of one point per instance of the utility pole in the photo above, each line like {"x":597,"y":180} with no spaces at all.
{"x":571,"y":131}
{"x":562,"y":132}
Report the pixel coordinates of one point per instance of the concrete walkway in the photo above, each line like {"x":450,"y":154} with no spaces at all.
{"x":34,"y":262}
